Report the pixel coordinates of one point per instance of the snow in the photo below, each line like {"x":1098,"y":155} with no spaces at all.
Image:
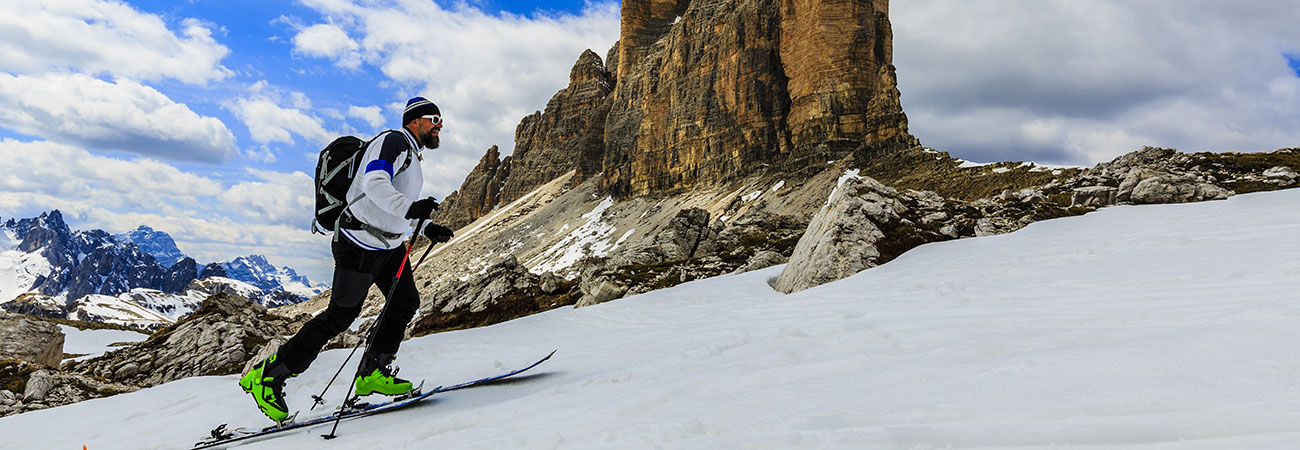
{"x":18,"y":270}
{"x":1149,"y":327}
{"x":591,"y":238}
{"x":120,"y":310}
{"x":92,"y":343}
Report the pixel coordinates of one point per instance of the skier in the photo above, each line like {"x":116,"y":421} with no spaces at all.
{"x":381,"y":208}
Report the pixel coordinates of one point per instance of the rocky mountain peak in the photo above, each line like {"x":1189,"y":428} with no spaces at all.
{"x":158,"y":244}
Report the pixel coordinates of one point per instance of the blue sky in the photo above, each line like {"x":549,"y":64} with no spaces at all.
{"x":203,"y":118}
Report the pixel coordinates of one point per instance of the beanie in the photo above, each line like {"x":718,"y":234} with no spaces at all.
{"x":418,"y":107}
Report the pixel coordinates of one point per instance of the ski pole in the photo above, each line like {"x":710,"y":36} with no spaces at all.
{"x":320,"y":399}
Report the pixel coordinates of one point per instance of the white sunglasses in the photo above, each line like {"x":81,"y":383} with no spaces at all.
{"x":435,"y":119}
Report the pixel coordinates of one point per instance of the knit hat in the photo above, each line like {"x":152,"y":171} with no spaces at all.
{"x":418,"y":107}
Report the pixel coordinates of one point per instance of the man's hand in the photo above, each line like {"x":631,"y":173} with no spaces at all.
{"x":437,"y":233}
{"x":422,"y":208}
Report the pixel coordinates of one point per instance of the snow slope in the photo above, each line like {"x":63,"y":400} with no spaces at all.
{"x":92,"y":343}
{"x":1154,"y":327}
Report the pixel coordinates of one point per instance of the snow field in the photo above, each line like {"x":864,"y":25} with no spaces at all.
{"x":1154,"y":327}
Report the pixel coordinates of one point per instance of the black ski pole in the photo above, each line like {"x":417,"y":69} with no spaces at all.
{"x":370,"y":335}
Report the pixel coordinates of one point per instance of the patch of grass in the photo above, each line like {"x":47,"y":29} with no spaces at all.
{"x":14,"y":374}
{"x":938,"y":172}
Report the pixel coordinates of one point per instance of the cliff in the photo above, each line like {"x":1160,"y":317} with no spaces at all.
{"x":703,"y":92}
{"x":711,"y":90}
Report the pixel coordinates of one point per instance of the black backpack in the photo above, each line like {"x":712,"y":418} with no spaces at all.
{"x":335,"y":170}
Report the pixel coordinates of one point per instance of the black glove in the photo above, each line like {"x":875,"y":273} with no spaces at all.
{"x":437,"y":233}
{"x":422,"y":208}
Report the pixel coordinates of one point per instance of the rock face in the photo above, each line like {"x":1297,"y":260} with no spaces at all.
{"x":29,"y":340}
{"x":478,"y":194}
{"x":709,"y":90}
{"x":217,"y":339}
{"x":700,"y":92}
{"x":841,"y":239}
{"x":568,"y":136}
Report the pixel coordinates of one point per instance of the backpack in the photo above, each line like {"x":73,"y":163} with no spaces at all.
{"x":335,"y":169}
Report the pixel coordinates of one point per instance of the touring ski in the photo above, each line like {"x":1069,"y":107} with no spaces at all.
{"x":221,"y":435}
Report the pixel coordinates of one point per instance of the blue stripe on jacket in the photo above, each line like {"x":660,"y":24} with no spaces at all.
{"x":380,"y":164}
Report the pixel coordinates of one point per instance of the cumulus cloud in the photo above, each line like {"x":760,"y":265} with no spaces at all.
{"x":484,"y":72}
{"x":121,"y":115}
{"x":66,"y":177}
{"x":105,"y":37}
{"x":273,"y":198}
{"x":328,"y":41}
{"x":371,"y":115}
{"x":268,"y":121}
{"x":1071,"y":82}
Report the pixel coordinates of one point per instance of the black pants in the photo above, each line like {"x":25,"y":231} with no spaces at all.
{"x":355,"y":270}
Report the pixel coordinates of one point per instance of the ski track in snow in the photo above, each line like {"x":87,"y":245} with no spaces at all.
{"x":1153,"y":327}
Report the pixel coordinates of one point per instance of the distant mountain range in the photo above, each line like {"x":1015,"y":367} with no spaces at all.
{"x":139,"y":277}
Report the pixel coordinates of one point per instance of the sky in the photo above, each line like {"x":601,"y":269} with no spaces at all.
{"x":203,"y":118}
{"x":1155,"y":327}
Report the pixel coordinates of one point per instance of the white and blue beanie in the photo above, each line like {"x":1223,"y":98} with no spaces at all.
{"x":418,"y":107}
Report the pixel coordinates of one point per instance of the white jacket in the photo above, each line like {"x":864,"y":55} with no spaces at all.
{"x":380,"y":195}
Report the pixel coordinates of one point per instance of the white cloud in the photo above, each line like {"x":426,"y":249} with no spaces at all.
{"x":268,"y":122}
{"x":105,"y":37}
{"x":484,"y":72}
{"x":275,"y":198}
{"x":122,"y":115}
{"x":371,"y":115}
{"x":328,"y":41}
{"x":66,"y":177}
{"x":1072,"y":82}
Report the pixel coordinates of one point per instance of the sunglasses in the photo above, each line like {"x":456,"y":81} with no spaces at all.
{"x":434,"y":119}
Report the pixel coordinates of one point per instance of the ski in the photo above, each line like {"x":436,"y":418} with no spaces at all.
{"x":221,"y":435}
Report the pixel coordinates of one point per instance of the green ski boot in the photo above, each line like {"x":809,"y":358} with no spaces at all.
{"x":377,"y":376}
{"x":266,"y":384}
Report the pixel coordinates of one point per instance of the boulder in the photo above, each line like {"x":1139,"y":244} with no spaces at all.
{"x":840,"y":240}
{"x":1149,"y":186}
{"x":1283,"y":174}
{"x":762,"y":260}
{"x":687,"y":236}
{"x":38,"y":384}
{"x":30,"y":340}
{"x":1094,"y":196}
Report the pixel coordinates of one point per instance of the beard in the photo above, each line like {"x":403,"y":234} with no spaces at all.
{"x":429,"y":140}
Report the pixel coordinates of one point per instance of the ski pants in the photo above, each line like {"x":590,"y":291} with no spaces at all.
{"x":355,"y":270}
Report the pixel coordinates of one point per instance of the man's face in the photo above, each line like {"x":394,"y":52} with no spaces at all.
{"x":427,"y":129}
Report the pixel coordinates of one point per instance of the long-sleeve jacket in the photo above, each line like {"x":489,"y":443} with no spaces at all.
{"x":383,"y":192}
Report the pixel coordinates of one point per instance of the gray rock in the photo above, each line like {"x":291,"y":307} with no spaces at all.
{"x":762,"y":260}
{"x":30,"y":340}
{"x":548,"y":282}
{"x":1165,"y":188}
{"x":1282,"y":173}
{"x":1094,"y":196}
{"x":7,"y":398}
{"x":840,"y":240}
{"x":687,"y":236}
{"x":126,"y":371}
{"x":600,"y":291}
{"x":38,"y":384}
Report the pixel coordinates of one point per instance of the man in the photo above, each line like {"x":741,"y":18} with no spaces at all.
{"x":367,"y":250}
